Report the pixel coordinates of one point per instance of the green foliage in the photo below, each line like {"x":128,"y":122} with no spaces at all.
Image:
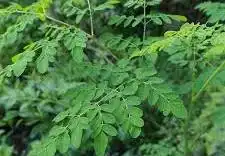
{"x":73,"y":39}
{"x":190,"y":41}
{"x":213,"y":128}
{"x":162,"y":148}
{"x":5,"y":150}
{"x":139,"y":3}
{"x":153,"y":17}
{"x":102,"y":109}
{"x":72,"y":93}
{"x":214,"y":10}
{"x":80,"y":9}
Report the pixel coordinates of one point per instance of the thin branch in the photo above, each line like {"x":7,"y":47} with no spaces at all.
{"x":91,"y":18}
{"x":189,"y":109}
{"x":144,"y":31}
{"x":66,"y":24}
{"x":57,"y":21}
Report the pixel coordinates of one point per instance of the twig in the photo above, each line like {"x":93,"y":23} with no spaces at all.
{"x":91,"y":18}
{"x":189,"y":109}
{"x":144,"y":31}
{"x":57,"y":21}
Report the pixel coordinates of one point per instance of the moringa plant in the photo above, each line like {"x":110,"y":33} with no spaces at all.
{"x":78,"y":82}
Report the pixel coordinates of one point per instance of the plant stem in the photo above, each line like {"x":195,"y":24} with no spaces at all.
{"x":189,"y":109}
{"x":91,"y":18}
{"x":144,"y":31}
{"x":208,"y":80}
{"x":186,"y":128}
{"x":57,"y":21}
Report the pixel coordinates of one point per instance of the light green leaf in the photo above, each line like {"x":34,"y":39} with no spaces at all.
{"x":57,"y":130}
{"x":157,"y":20}
{"x":46,"y":56}
{"x":50,"y":148}
{"x":92,"y":114}
{"x":108,"y":118}
{"x":118,"y":78}
{"x":142,"y":73}
{"x":130,"y":88}
{"x":78,"y":54}
{"x":61,"y":116}
{"x":84,"y":122}
{"x":179,"y":18}
{"x":135,"y":111}
{"x":76,"y":137}
{"x":76,"y":108}
{"x":137,"y":21}
{"x":113,"y":104}
{"x":21,"y":62}
{"x":128,"y":21}
{"x":63,"y":142}
{"x":113,"y":20}
{"x":135,"y":132}
{"x":109,"y":129}
{"x":19,"y":68}
{"x":143,"y":91}
{"x":133,"y":100}
{"x":136,"y":121}
{"x":153,"y":97}
{"x":179,"y":110}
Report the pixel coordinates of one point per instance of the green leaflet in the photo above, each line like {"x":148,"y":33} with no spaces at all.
{"x":45,"y":147}
{"x":108,"y":118}
{"x":133,"y":100}
{"x":77,"y":54}
{"x":135,"y":111}
{"x":46,"y":56}
{"x":75,"y":42}
{"x":109,"y":129}
{"x":76,"y":137}
{"x":6,"y":150}
{"x":100,"y":144}
{"x":57,"y":130}
{"x":113,"y":104}
{"x":61,"y":116}
{"x":142,"y":73}
{"x":131,"y":88}
{"x":63,"y":142}
{"x":135,"y":131}
{"x":20,"y":65}
{"x":155,"y":17}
